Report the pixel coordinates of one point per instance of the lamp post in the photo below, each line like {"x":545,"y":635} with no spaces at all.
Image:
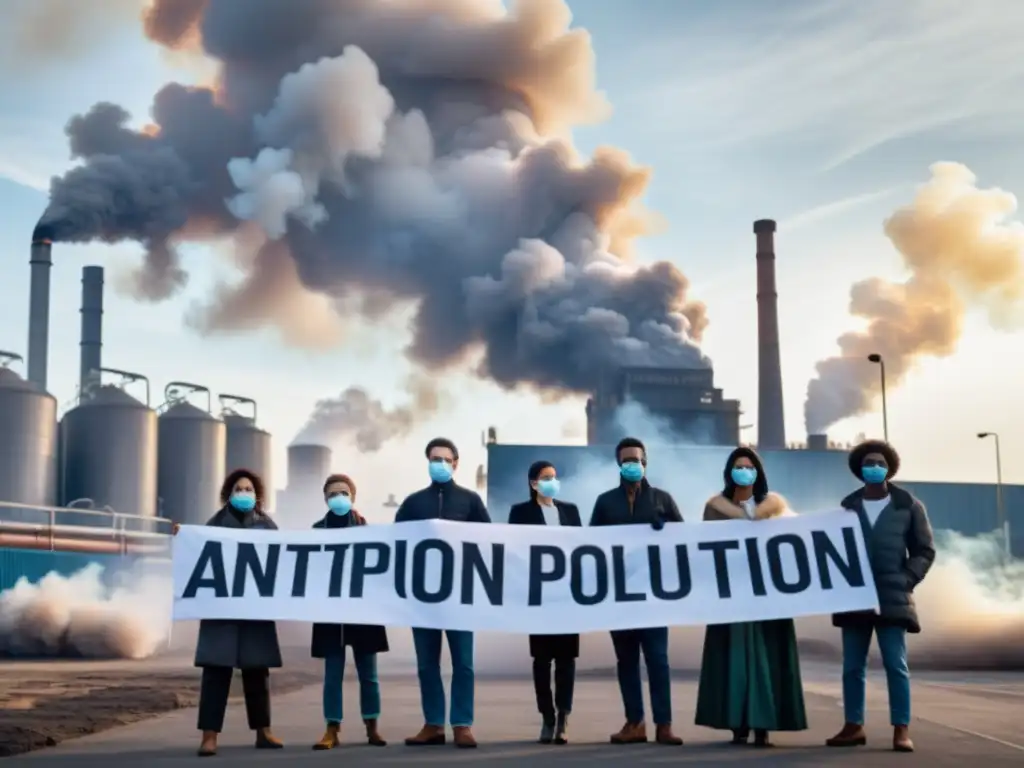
{"x":880,"y":362}
{"x":1004,"y":524}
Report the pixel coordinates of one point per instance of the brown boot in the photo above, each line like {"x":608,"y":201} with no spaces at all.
{"x":266,"y":740}
{"x":463,"y":737}
{"x":330,"y":739}
{"x":852,"y":735}
{"x":630,"y":733}
{"x":663,"y":735}
{"x":208,"y":746}
{"x":901,"y":739}
{"x":429,"y":736}
{"x":373,"y":737}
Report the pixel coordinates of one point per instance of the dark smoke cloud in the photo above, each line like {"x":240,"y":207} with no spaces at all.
{"x":962,"y":253}
{"x":408,"y":152}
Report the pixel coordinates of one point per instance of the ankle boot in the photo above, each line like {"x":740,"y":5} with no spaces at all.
{"x":561,"y":728}
{"x":208,"y":746}
{"x":267,"y":740}
{"x":761,"y":739}
{"x":901,"y":741}
{"x":663,"y":735}
{"x":373,"y":737}
{"x":429,"y":736}
{"x":330,"y":739}
{"x":851,"y":735}
{"x":630,"y":733}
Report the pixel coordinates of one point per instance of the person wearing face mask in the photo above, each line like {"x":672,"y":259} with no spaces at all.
{"x":636,"y":501}
{"x":544,"y":508}
{"x":750,"y":673}
{"x":901,"y":550}
{"x":444,"y":499}
{"x":329,"y":641}
{"x":226,"y":645}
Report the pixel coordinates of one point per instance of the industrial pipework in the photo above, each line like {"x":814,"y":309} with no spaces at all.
{"x":40,"y":263}
{"x":771,"y":426}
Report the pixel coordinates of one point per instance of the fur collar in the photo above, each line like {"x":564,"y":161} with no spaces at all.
{"x":772,"y":506}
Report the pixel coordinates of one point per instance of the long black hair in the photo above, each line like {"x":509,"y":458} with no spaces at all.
{"x":760,"y":484}
{"x":533,"y":473}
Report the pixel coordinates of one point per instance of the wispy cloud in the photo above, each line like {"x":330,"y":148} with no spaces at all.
{"x":826,"y":211}
{"x":31,"y":152}
{"x":848,"y":75}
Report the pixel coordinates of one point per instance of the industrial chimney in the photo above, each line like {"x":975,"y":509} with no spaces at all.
{"x":771,"y":427}
{"x":40,"y":262}
{"x":92,"y":328}
{"x":817,"y":442}
{"x":308,"y":466}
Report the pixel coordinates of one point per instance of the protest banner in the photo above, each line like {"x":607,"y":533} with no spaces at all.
{"x":526,"y":579}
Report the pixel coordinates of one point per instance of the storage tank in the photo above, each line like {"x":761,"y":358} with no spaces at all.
{"x":28,"y":447}
{"x":247,"y":445}
{"x":109,"y":450}
{"x":190,"y":455}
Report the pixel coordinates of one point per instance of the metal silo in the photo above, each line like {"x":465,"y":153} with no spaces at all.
{"x":109,"y":450}
{"x":190,"y":457}
{"x":28,"y":440}
{"x":247,"y":445}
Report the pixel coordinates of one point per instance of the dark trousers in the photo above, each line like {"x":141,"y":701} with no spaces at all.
{"x":654,"y":644}
{"x":214,"y":692}
{"x":565,"y":681}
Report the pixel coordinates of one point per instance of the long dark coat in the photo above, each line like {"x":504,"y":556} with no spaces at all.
{"x":329,"y":639}
{"x":750,"y":672}
{"x":901,"y":549}
{"x":238,"y":644}
{"x":530,"y":513}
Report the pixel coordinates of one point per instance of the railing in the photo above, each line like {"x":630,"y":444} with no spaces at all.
{"x":74,"y":529}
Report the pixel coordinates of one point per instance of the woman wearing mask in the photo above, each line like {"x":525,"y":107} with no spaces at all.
{"x":225,"y":646}
{"x":544,"y":508}
{"x":750,"y":673}
{"x":330,"y":640}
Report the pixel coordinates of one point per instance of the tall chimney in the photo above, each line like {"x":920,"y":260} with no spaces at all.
{"x":308,"y":466}
{"x":40,"y":263}
{"x":92,"y":327}
{"x":771,"y":426}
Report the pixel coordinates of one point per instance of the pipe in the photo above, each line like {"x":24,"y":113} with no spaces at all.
{"x":91,"y":344}
{"x":771,"y":417}
{"x":25,"y":541}
{"x":40,"y":263}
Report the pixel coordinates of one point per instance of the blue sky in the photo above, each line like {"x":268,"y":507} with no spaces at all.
{"x":822,"y":115}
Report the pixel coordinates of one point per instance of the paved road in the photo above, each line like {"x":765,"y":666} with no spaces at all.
{"x":960,"y":720}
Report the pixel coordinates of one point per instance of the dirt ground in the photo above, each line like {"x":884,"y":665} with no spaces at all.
{"x":43,"y":703}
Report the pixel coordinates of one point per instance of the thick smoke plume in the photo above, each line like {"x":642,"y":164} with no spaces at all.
{"x":962,"y":253}
{"x":356,"y":417}
{"x":403,"y":153}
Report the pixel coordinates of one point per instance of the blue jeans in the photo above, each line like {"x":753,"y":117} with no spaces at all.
{"x":654,"y":644}
{"x":369,"y":687}
{"x":892,"y":643}
{"x":428,"y":669}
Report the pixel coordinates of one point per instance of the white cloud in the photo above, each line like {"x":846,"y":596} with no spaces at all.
{"x":836,"y":208}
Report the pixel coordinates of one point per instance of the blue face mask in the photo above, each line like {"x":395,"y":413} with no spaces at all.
{"x":744,"y":476}
{"x":243,"y":501}
{"x":339,"y":505}
{"x":874,"y":475}
{"x":548,"y":488}
{"x":440,"y":471}
{"x":632,"y":471}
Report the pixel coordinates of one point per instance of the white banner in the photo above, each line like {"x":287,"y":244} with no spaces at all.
{"x":527,"y":579}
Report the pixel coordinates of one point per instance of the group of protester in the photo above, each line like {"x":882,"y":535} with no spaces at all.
{"x":750,"y":674}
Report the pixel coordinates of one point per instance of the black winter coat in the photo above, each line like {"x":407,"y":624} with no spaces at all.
{"x":443,"y":501}
{"x":614,"y":508}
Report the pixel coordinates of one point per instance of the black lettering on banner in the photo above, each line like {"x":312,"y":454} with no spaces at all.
{"x":718,"y":550}
{"x":212,"y":556}
{"x":576,"y":575}
{"x":360,"y":570}
{"x":419,"y":570}
{"x":658,"y":580}
{"x":825,"y":550}
{"x":539,"y":575}
{"x":401,"y":547}
{"x":803,"y":563}
{"x":301,"y":574}
{"x":756,"y":570}
{"x":619,"y":573}
{"x":473,"y":565}
{"x":247,"y":561}
{"x":337,"y":568}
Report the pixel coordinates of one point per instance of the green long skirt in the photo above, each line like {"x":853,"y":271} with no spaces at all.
{"x":750,"y":678}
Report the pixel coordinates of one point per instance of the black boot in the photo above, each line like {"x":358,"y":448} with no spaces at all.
{"x":562,"y":728}
{"x":761,"y":739}
{"x":547,"y":730}
{"x":740,"y":735}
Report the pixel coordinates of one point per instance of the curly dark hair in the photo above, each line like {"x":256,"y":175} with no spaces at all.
{"x":892,"y":458}
{"x":229,"y":485}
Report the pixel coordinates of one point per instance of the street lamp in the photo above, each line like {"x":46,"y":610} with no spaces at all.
{"x":1004,"y":524}
{"x":876,"y":358}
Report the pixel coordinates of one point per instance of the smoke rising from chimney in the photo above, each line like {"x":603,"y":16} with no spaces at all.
{"x":962,"y":253}
{"x":408,"y":152}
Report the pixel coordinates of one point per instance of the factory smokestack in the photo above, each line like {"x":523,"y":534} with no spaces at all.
{"x":308,"y":465}
{"x":817,"y":442}
{"x":40,"y":262}
{"x":771,"y":421}
{"x":92,"y":328}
